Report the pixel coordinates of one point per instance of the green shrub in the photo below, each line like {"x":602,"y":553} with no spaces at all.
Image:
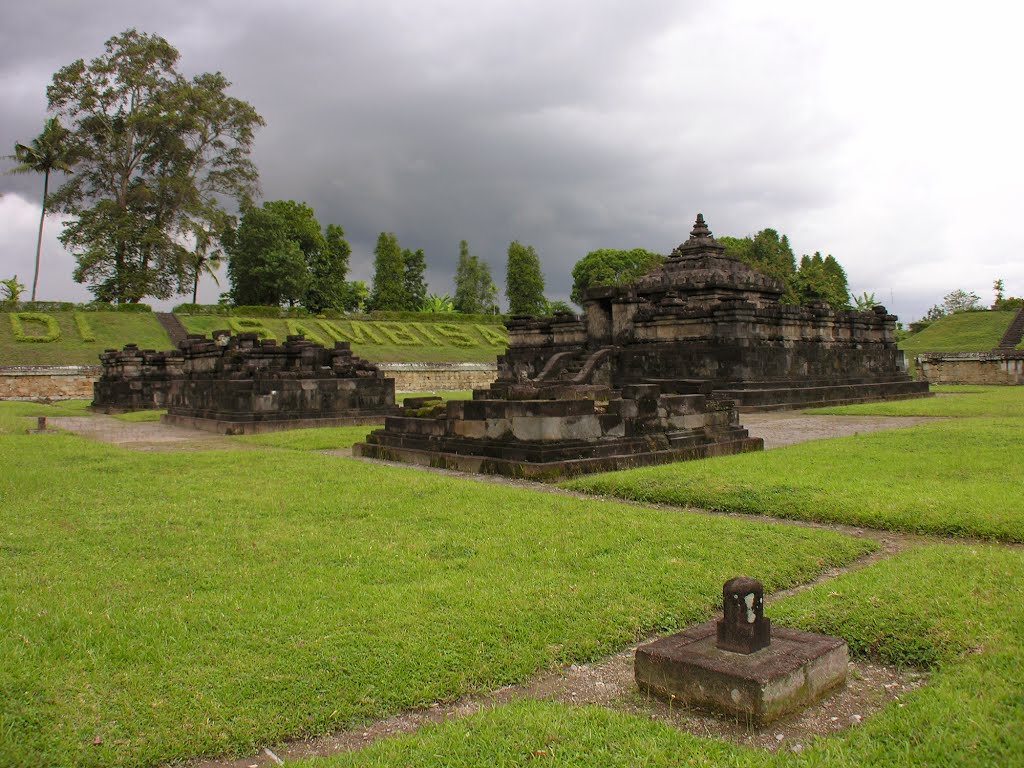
{"x":245,"y":325}
{"x":106,"y":306}
{"x":201,"y":309}
{"x":296,"y":328}
{"x":46,"y":306}
{"x":17,"y":327}
{"x":84,"y":329}
{"x":264,"y":311}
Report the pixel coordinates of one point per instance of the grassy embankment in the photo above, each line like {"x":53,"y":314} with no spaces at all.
{"x":431,"y":340}
{"x":109,"y":330}
{"x":962,"y":332}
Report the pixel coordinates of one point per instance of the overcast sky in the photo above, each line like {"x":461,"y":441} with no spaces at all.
{"x":887,"y":134}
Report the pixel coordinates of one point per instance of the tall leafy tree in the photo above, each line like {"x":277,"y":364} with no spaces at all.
{"x":475,"y":291}
{"x":158,"y":153}
{"x":414,"y":281}
{"x":266,"y":264}
{"x":52,"y":150}
{"x":264,"y":243}
{"x":770,"y":253}
{"x":328,"y":268}
{"x":608,"y":266}
{"x":524,"y":281}
{"x":821,"y":279}
{"x":388,"y":291}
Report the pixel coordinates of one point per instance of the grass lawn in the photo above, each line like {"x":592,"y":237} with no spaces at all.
{"x":316,"y":439}
{"x":959,"y":478}
{"x":16,"y":416}
{"x":950,"y":401}
{"x":174,"y":605}
{"x":112,"y":330}
{"x":134,"y":417}
{"x":949,"y":608}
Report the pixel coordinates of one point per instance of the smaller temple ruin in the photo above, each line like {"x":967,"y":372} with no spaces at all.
{"x":546,"y":436}
{"x":242,"y":384}
{"x":133,"y":379}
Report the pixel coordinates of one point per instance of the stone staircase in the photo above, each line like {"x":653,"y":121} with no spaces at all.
{"x":173,"y":326}
{"x":1013,"y":334}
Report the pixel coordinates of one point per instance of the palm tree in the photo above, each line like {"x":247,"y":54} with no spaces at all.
{"x":49,"y":151}
{"x":203,"y":260}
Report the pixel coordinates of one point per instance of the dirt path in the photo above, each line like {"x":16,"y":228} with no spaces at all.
{"x":781,"y":428}
{"x":142,"y":435}
{"x":778,"y":429}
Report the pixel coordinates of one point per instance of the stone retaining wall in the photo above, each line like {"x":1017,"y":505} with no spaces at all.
{"x":438,"y":377}
{"x":972,"y":367}
{"x":47,"y":382}
{"x":75,"y":382}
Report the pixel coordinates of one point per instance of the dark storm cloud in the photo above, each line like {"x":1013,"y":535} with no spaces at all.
{"x":569,"y":126}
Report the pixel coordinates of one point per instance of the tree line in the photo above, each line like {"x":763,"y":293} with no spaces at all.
{"x":153,"y":158}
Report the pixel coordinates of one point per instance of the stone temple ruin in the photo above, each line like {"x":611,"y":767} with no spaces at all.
{"x":652,"y":372}
{"x":706,"y":316}
{"x":241,"y":384}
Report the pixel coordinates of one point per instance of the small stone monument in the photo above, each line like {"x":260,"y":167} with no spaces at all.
{"x":736,"y":667}
{"x":743,"y":629}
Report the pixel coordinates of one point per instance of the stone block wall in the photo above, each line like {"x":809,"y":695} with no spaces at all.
{"x":1004,"y":368}
{"x":439,"y":377}
{"x":47,"y":382}
{"x":136,"y":379}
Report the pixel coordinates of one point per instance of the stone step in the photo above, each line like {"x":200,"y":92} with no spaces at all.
{"x":173,"y":326}
{"x":1014,"y":334}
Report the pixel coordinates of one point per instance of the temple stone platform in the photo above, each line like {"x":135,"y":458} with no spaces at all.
{"x":548,"y":438}
{"x":741,"y":666}
{"x":797,"y":669}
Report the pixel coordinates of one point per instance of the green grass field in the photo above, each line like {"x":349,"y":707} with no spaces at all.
{"x":157,"y":607}
{"x":112,"y":330}
{"x":950,"y":401}
{"x":174,"y":605}
{"x":954,"y":478}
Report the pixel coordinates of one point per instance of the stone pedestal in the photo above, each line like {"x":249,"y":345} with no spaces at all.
{"x":797,"y":669}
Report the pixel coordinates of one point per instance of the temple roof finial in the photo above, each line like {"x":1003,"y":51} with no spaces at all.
{"x":700,"y":229}
{"x":701,"y":241}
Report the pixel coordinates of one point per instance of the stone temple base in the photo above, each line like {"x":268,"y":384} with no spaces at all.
{"x":229,"y":427}
{"x":549,"y":439}
{"x":797,"y":669}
